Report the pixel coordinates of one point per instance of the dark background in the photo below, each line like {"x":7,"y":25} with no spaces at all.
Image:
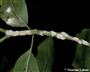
{"x":46,"y":15}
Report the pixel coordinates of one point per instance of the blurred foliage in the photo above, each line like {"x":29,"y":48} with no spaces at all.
{"x":82,"y":56}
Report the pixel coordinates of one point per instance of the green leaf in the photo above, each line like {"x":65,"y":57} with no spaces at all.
{"x":45,"y":55}
{"x":82,"y":56}
{"x":21,"y":65}
{"x":18,"y":12}
{"x":0,"y":2}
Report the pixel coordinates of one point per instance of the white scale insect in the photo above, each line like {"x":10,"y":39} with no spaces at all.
{"x":9,"y":10}
{"x":12,"y":21}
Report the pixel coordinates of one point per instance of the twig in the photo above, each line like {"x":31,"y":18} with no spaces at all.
{"x":4,"y":38}
{"x":2,"y":30}
{"x":60,"y":35}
